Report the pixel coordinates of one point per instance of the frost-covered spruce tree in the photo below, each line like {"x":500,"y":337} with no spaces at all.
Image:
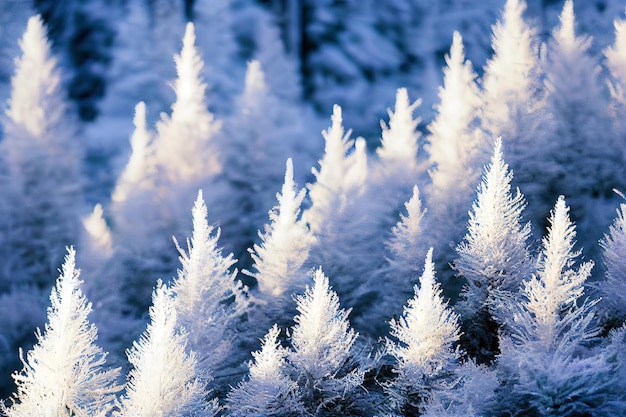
{"x":185,"y":144}
{"x":325,"y":191}
{"x":324,"y":359}
{"x":513,"y":102}
{"x":577,"y":103}
{"x":258,"y":138}
{"x":139,"y":169}
{"x":64,"y":374}
{"x":403,"y":250}
{"x":545,"y":364}
{"x":164,"y":379}
{"x":613,"y":288}
{"x":208,"y":299}
{"x":181,"y":158}
{"x":279,"y":260}
{"x":42,"y":158}
{"x":268,"y":391}
{"x":422,"y":344}
{"x":455,"y":146}
{"x":493,"y":258}
{"x":398,"y":152}
{"x":341,"y":215}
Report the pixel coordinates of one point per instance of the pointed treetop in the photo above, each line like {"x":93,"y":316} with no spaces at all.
{"x":189,"y":87}
{"x":36,"y":101}
{"x":565,"y":33}
{"x":99,"y":232}
{"x":399,"y":139}
{"x":426,"y":331}
{"x":255,"y":78}
{"x":322,"y":337}
{"x":138,"y":166}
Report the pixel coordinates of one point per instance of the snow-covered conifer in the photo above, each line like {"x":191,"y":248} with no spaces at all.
{"x":208,"y":299}
{"x":324,"y":358}
{"x":279,"y":258}
{"x":164,"y":379}
{"x":185,"y":145}
{"x":404,"y":249}
{"x":330,"y":174}
{"x":422,"y":343}
{"x":268,"y":391}
{"x":42,"y":154}
{"x":511,"y":78}
{"x":546,"y":364}
{"x":456,"y":147}
{"x":577,"y":103}
{"x":138,"y":170}
{"x":258,"y":138}
{"x":493,"y":257}
{"x":64,"y":373}
{"x":399,"y":148}
{"x":513,"y":103}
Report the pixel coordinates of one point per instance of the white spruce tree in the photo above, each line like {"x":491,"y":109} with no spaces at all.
{"x":342,"y":215}
{"x":279,"y":260}
{"x":577,"y":103}
{"x":545,"y":361}
{"x":268,"y":390}
{"x":164,"y":378}
{"x":208,"y":299}
{"x":493,"y":258}
{"x":456,"y":147}
{"x":329,"y":176}
{"x":324,"y":359}
{"x":422,"y":343}
{"x":41,"y":153}
{"x":185,"y":144}
{"x":404,"y":249}
{"x":64,"y":374}
{"x":139,"y":169}
{"x":513,"y":104}
{"x":182,"y":157}
{"x":399,"y":148}
{"x":259,"y":136}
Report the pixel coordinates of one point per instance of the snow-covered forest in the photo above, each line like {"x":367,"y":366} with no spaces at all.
{"x":312,"y":208}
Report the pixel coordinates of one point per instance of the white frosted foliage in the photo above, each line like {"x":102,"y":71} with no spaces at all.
{"x":510,"y":79}
{"x":63,"y":374}
{"x":36,"y":102}
{"x":98,"y":231}
{"x":268,"y":389}
{"x":163,"y":380}
{"x":425,"y":333}
{"x":285,"y":243}
{"x":138,"y":170}
{"x":455,"y":142}
{"x":556,"y":287}
{"x":185,"y":142}
{"x":493,"y":256}
{"x":406,"y":244}
{"x":321,"y":338}
{"x":399,"y":145}
{"x":203,"y":292}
